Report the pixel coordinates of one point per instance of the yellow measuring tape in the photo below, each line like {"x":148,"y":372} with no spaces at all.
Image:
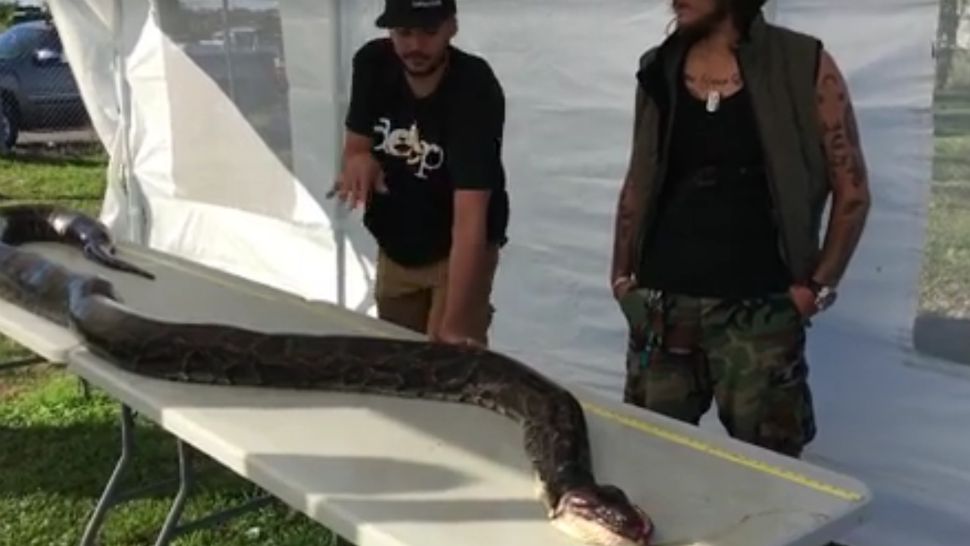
{"x":635,"y":424}
{"x":720,"y":453}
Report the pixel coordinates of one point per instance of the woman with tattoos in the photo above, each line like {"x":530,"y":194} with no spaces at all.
{"x":743,"y":130}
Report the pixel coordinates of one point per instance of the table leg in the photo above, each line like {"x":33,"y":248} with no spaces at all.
{"x":32,"y":360}
{"x":20,"y":363}
{"x":171,"y":528}
{"x":186,"y":480}
{"x":85,"y":388}
{"x":109,"y":497}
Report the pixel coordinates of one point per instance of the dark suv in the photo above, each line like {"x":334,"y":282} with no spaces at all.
{"x":37,"y":86}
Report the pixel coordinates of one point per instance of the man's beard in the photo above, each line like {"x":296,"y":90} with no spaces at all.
{"x":428,"y":69}
{"x":703,"y":27}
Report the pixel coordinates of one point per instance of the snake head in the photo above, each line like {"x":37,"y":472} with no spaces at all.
{"x":602,"y":515}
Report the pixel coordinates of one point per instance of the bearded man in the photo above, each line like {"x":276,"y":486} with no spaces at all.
{"x":743,"y":131}
{"x":423,"y":153}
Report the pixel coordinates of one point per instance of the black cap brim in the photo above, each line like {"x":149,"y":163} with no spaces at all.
{"x":410,"y":21}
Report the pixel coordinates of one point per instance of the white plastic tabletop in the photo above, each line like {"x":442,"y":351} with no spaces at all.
{"x":390,"y":472}
{"x":40,"y":336}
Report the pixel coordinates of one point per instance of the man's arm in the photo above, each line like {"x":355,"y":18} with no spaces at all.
{"x":848,"y":173}
{"x":355,"y":144}
{"x":629,"y":209}
{"x":360,"y":173}
{"x":475,"y":160}
{"x":467,"y":265}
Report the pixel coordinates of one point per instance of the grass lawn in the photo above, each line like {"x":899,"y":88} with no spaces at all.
{"x":58,"y":448}
{"x":945,"y":286}
{"x":943,"y":325}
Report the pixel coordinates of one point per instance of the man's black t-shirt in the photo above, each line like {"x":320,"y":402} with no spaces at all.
{"x":428,"y":147}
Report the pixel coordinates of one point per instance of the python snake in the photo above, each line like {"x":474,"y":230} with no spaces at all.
{"x":553,"y":423}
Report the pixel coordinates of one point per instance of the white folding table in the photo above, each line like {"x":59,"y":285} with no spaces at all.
{"x":392,"y":472}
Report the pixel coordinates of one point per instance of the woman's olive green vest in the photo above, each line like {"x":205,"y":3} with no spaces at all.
{"x":779,"y":68}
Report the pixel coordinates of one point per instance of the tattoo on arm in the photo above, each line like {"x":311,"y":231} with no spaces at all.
{"x":627,"y":222}
{"x":840,"y":131}
{"x":631,"y":203}
{"x":848,"y":173}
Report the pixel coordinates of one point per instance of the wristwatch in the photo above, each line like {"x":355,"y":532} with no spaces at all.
{"x":825,"y":295}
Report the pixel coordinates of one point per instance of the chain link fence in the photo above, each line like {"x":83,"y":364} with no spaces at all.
{"x":238,"y":45}
{"x":40,"y":103}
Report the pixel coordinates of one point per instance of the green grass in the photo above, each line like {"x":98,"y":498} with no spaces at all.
{"x":945,"y":283}
{"x":58,"y":448}
{"x":73,"y":175}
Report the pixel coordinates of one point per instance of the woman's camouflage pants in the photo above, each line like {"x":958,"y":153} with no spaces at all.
{"x":747,"y":355}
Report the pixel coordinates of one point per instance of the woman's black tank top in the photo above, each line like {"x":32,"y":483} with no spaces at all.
{"x":714,"y":235}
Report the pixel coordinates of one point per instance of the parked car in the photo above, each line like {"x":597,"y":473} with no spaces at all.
{"x":37,"y":87}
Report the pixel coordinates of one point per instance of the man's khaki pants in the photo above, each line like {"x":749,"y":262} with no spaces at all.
{"x":414,"y":297}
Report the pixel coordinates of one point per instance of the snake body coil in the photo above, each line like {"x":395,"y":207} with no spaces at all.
{"x":553,"y":424}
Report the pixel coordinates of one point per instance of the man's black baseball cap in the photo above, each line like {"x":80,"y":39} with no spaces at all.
{"x":415,"y":13}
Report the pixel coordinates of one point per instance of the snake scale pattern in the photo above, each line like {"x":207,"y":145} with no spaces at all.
{"x":553,"y":424}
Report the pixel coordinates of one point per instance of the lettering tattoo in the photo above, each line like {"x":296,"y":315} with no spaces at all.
{"x":848,"y":173}
{"x":714,"y":81}
{"x":701,"y":85}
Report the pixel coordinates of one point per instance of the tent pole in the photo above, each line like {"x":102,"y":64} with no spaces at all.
{"x":122,"y":91}
{"x":336,"y":92}
{"x":227,"y":45}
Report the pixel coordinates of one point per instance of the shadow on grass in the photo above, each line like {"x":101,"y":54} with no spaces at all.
{"x":943,"y":337}
{"x":76,"y":460}
{"x":57,"y":450}
{"x":16,"y":199}
{"x":57,"y":160}
{"x":63,"y":154}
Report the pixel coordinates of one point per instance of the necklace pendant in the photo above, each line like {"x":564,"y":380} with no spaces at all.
{"x":713,"y":101}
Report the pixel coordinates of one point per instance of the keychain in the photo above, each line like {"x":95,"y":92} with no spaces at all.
{"x":654,"y":325}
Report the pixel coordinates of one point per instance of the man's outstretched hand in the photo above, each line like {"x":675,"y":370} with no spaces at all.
{"x":361,"y":175}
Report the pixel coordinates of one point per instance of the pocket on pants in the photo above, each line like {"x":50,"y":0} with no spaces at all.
{"x":633,"y":305}
{"x":785,"y":301}
{"x":638,"y":358}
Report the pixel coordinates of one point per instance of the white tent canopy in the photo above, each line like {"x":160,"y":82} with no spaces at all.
{"x":212,"y":162}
